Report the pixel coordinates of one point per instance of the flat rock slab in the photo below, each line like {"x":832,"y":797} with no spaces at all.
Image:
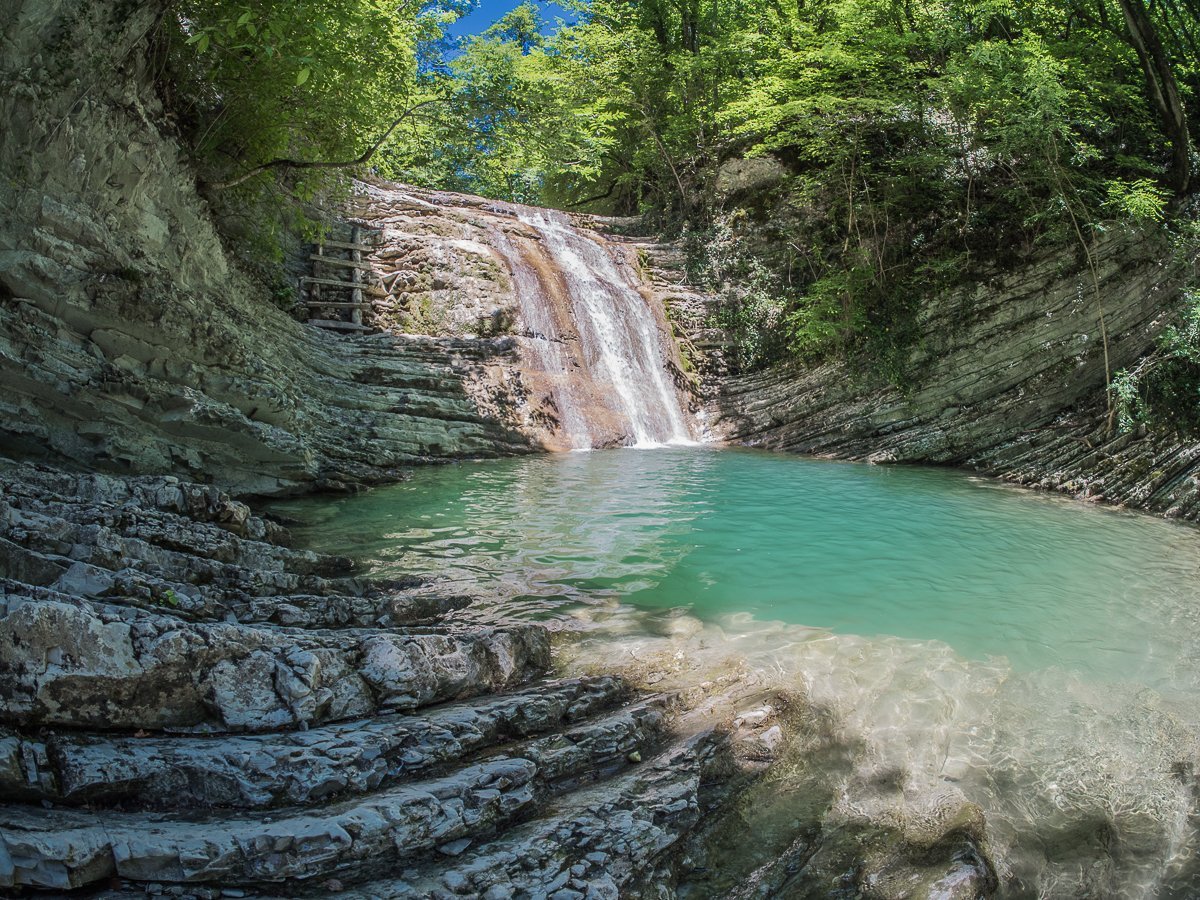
{"x":295,"y":767}
{"x":78,"y":664}
{"x":69,"y":850}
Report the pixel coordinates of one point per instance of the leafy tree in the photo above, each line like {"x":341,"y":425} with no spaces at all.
{"x":526,"y":118}
{"x":914,"y":140}
{"x":289,"y":79}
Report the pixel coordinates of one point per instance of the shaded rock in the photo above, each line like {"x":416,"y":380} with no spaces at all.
{"x":71,"y":663}
{"x":67,"y":850}
{"x":605,"y":842}
{"x":307,"y":766}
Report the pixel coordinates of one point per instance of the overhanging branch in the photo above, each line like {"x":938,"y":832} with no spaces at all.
{"x":359,"y":160}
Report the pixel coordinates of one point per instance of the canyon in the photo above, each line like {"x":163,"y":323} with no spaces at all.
{"x":190,"y":706}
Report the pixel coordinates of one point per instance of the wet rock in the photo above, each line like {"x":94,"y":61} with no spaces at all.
{"x":70,"y":662}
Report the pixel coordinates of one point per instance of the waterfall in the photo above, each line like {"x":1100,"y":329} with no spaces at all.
{"x":544,"y":343}
{"x":619,"y":339}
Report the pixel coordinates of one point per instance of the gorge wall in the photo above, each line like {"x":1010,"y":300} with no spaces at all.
{"x":128,"y":341}
{"x":1007,"y":378}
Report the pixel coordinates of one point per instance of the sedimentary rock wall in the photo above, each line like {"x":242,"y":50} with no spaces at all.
{"x":598,"y":366}
{"x":127,"y":340}
{"x":1008,"y":377}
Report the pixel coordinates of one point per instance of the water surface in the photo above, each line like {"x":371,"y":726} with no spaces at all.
{"x":927,"y":554}
{"x":957,"y":638}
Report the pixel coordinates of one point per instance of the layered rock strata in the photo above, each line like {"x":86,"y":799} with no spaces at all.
{"x":595,"y":358}
{"x":189,"y":706}
{"x":1008,"y":377}
{"x":128,"y":340}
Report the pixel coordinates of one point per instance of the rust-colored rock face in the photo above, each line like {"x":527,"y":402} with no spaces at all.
{"x":596,"y":363}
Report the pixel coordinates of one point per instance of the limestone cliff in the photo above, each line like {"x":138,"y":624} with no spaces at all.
{"x":129,"y":342}
{"x":1007,"y":377}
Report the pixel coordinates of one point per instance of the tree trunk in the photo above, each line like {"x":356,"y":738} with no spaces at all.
{"x":1163,"y":89}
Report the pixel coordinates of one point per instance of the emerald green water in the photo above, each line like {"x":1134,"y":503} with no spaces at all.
{"x":924,"y":554}
{"x":1037,"y":656}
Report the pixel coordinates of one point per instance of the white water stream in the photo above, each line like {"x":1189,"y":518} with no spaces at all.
{"x":619,"y":336}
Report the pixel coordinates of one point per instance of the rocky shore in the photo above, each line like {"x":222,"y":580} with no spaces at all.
{"x":189,"y":707}
{"x":1007,"y":379}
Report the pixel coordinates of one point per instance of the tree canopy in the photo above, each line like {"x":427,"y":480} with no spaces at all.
{"x":912,"y":138}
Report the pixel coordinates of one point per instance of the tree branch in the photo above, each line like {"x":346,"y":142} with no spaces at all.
{"x":1163,"y":90}
{"x":578,"y":203}
{"x":359,"y":160}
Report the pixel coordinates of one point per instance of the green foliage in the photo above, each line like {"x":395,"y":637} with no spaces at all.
{"x":753,"y":307}
{"x":1165,"y":391}
{"x":526,"y":118}
{"x":917,"y":141}
{"x":290,"y":78}
{"x":169,"y":598}
{"x":916,"y":138}
{"x":251,"y":83}
{"x":816,"y":324}
{"x":1139,"y":201}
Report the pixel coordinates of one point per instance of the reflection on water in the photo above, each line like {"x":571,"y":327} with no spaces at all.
{"x":1028,"y":654}
{"x":917,"y":553}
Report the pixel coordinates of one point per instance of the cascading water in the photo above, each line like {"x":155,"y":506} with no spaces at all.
{"x":545,"y":345}
{"x":618,"y":333}
{"x":596,"y":365}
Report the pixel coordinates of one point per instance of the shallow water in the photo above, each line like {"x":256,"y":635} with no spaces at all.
{"x":1030,"y":654}
{"x":917,"y":553}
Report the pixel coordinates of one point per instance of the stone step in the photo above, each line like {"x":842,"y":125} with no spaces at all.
{"x":65,"y":850}
{"x":82,"y":664}
{"x":606,"y":841}
{"x":382,"y":608}
{"x":123,"y":570}
{"x":383,"y":604}
{"x":663,"y":263}
{"x":597,"y":748}
{"x":196,"y":502}
{"x":60,"y":849}
{"x":249,"y":771}
{"x":201,"y":554}
{"x":339,"y":324}
{"x":63,"y":525}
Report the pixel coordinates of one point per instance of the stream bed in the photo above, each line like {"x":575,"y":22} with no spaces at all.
{"x":1029,"y":654}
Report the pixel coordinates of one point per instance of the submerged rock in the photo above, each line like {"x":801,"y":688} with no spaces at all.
{"x":178,"y":740}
